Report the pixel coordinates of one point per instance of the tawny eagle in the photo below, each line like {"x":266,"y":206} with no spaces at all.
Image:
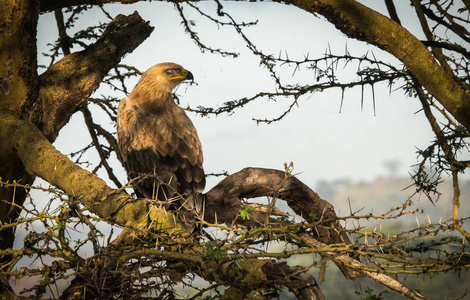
{"x":158,"y":141}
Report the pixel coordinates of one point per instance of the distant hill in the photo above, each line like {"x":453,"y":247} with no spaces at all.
{"x":382,"y":193}
{"x":379,"y":196}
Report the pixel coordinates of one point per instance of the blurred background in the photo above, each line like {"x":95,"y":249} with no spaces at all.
{"x":356,"y":150}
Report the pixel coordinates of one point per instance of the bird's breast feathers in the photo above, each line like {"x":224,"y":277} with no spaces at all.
{"x":165,"y":132}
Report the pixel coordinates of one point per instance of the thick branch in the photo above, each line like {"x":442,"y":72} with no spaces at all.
{"x":69,"y":82}
{"x":49,"y":5}
{"x":363,"y":23}
{"x":258,"y":182}
{"x":41,"y":159}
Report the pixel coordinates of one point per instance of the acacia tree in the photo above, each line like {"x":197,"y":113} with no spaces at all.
{"x":154,"y":252}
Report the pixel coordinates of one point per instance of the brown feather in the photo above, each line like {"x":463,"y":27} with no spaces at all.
{"x":156,"y":137}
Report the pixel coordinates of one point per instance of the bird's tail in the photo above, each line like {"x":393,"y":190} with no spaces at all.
{"x":199,"y":204}
{"x":194,"y":203}
{"x":199,"y":201}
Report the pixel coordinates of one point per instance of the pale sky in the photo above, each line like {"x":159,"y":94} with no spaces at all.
{"x":321,"y":142}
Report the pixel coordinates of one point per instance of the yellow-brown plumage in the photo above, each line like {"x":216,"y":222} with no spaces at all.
{"x":156,"y":137}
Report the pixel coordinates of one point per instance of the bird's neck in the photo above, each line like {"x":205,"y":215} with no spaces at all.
{"x":154,"y":99}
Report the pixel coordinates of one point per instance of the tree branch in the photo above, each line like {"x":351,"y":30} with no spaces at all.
{"x":94,"y":136}
{"x":48,"y":5}
{"x":392,"y":11}
{"x":258,"y":182}
{"x":67,"y":84}
{"x":383,"y":279}
{"x":42,"y":159}
{"x":363,"y":23}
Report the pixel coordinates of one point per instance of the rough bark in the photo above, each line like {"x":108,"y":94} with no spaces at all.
{"x":62,"y":89}
{"x":18,"y":83}
{"x":258,"y":182}
{"x":67,"y":84}
{"x":18,"y":80}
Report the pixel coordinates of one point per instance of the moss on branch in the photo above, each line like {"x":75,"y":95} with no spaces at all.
{"x":41,"y":159}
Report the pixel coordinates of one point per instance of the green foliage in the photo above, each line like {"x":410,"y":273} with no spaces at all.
{"x":213,"y":251}
{"x":245,"y":213}
{"x":313,"y":216}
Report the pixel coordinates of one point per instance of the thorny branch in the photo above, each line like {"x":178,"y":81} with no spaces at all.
{"x":152,"y":263}
{"x":450,"y":142}
{"x":67,"y":234}
{"x":369,"y":70}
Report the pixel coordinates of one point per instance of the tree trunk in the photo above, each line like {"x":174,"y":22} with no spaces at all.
{"x":18,"y":84}
{"x":48,"y":102}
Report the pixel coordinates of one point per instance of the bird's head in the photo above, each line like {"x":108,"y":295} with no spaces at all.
{"x":167,"y":75}
{"x":154,"y":89}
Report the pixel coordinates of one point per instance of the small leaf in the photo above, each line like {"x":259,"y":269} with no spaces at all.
{"x":245,"y":213}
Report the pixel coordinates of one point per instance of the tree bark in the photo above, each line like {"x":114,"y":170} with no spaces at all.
{"x":259,"y":182}
{"x":50,"y":103}
{"x":67,"y":84}
{"x":18,"y":84}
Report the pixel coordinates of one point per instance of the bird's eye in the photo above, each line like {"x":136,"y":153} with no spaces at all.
{"x":169,"y":71}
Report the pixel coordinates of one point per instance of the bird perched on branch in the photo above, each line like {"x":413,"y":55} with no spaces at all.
{"x":159,"y":143}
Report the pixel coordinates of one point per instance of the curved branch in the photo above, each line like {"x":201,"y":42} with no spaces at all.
{"x":67,"y":84}
{"x":259,"y":182}
{"x":40,"y":158}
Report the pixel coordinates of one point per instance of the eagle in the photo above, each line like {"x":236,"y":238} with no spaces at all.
{"x":159,"y":145}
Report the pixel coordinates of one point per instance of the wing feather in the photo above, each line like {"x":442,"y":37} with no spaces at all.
{"x":165,"y":145}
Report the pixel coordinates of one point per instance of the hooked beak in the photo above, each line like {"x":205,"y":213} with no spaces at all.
{"x":188,"y":75}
